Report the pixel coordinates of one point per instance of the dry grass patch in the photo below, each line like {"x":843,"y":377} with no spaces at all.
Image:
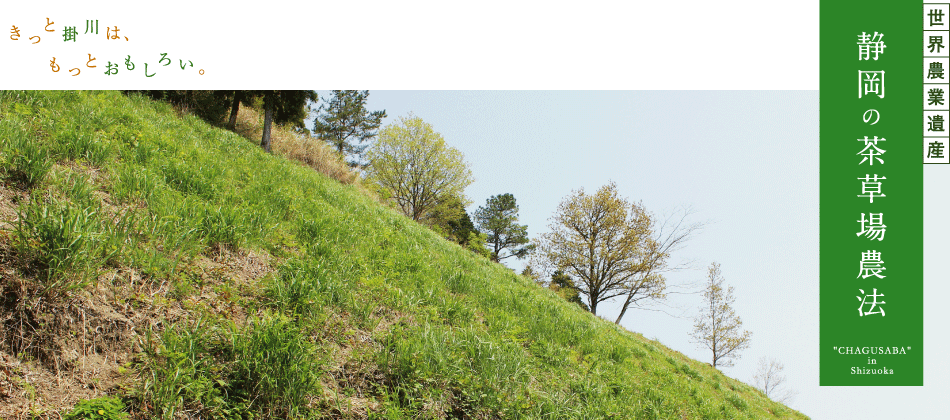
{"x":311,"y":152}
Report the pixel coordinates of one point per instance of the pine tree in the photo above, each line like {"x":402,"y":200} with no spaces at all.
{"x":498,"y":220}
{"x":344,"y":122}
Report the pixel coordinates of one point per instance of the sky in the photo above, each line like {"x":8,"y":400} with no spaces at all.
{"x":669,"y":100}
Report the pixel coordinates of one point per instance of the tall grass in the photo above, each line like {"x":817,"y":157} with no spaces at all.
{"x":63,"y":240}
{"x":26,"y":160}
{"x":266,"y":366}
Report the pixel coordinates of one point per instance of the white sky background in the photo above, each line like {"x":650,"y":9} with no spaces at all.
{"x":748,"y":161}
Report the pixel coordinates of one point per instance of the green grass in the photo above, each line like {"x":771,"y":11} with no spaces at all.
{"x":434,"y":330}
{"x":63,"y":241}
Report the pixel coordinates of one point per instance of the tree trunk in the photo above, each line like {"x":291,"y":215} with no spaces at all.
{"x":623,"y":310}
{"x":268,"y":116}
{"x":235,"y":105}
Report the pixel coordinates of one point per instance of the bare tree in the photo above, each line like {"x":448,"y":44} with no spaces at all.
{"x":768,"y":378}
{"x":667,"y":238}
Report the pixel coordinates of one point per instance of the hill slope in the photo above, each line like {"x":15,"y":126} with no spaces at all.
{"x":176,"y":266}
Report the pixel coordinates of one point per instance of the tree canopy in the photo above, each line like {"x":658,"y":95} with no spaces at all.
{"x":344,"y":123}
{"x":414,"y":167}
{"x":598,"y":240}
{"x":498,"y":219}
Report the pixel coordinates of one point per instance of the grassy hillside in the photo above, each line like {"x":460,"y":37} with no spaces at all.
{"x":175,"y":266}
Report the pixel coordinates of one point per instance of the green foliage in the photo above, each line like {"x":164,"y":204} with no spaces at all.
{"x":564,"y":286}
{"x":209,"y":105}
{"x":605,"y":230}
{"x":416,"y":168}
{"x":303,"y":289}
{"x":450,"y":220}
{"x":476,"y":243}
{"x":345,"y":124}
{"x":498,"y":219}
{"x":133,"y":183}
{"x":63,"y":239}
{"x":27,"y":161}
{"x":182,"y":374}
{"x":275,"y":367}
{"x":229,"y":226}
{"x":266,"y":367}
{"x":76,"y":144}
{"x":102,"y":408}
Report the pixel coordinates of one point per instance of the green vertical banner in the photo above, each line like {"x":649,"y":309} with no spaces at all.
{"x":872,"y":101}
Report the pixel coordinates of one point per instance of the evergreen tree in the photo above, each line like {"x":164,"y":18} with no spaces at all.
{"x":498,"y":220}
{"x":344,"y":122}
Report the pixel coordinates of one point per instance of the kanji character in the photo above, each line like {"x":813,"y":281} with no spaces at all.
{"x":935,"y":96}
{"x":69,"y":33}
{"x":77,"y":71}
{"x":871,"y":151}
{"x":91,"y":59}
{"x":935,"y":150}
{"x":182,"y":64}
{"x":871,"y":264}
{"x":872,"y":113}
{"x":874,"y":302}
{"x":89,"y":26}
{"x":936,"y":42}
{"x":111,"y":69}
{"x":935,"y":71}
{"x":935,"y":123}
{"x":146,"y":71}
{"x":128,"y":63}
{"x":37,"y":39}
{"x":871,"y":187}
{"x":53,"y":65}
{"x":15,"y":33}
{"x":869,"y":45}
{"x":936,"y":17}
{"x":48,"y":24}
{"x":873,"y":228}
{"x":871,"y":82}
